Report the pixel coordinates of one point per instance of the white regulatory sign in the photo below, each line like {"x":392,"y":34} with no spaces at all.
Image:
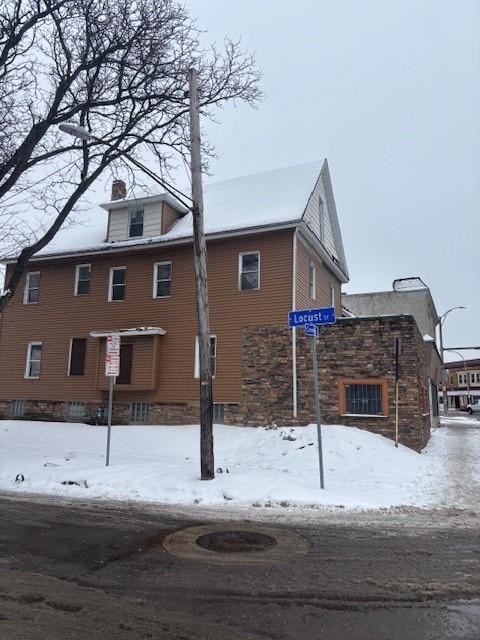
{"x":112,"y":356}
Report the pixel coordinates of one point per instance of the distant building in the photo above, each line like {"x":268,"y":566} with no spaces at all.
{"x":463,"y":382}
{"x":408,"y":296}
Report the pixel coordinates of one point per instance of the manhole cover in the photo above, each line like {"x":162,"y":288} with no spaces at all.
{"x":241,"y":542}
{"x":236,"y":541}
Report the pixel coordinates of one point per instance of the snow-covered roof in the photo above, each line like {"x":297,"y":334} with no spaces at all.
{"x":258,"y":200}
{"x":262,"y":201}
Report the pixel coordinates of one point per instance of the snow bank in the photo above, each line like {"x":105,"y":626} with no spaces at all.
{"x":258,"y":466}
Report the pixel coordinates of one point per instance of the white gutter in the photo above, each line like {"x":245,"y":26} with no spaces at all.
{"x":294,"y":330}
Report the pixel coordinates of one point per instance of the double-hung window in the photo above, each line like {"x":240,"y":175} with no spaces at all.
{"x":249,"y":270}
{"x":162,"y":279}
{"x":213,"y":356}
{"x":135,"y":227}
{"x":34,"y":359}
{"x":312,"y":281}
{"x":118,"y":282}
{"x":82,"y":279}
{"x":32,"y":288}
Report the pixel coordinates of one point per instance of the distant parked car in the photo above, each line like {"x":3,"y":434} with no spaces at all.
{"x":474,"y":407}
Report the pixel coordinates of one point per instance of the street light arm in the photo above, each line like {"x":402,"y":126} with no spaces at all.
{"x":442,"y":317}
{"x":80,"y":132}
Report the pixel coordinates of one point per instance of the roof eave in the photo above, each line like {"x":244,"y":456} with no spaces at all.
{"x":114,"y":248}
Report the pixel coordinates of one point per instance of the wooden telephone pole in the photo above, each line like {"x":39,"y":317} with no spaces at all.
{"x":200,"y":257}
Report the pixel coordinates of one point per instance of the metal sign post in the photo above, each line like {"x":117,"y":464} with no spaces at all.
{"x":316,"y":393}
{"x":112,"y":369}
{"x":310,"y":319}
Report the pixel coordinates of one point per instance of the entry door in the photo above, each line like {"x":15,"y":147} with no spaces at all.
{"x":126,"y":355}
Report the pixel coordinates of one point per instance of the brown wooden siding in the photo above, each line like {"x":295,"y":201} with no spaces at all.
{"x":143,"y":357}
{"x":324,"y":279}
{"x":60,"y":315}
{"x":169,"y":216}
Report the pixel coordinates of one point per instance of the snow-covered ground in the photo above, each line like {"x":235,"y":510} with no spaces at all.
{"x":272,"y":467}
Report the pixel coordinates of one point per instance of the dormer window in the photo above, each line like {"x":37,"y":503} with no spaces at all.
{"x":135,"y":229}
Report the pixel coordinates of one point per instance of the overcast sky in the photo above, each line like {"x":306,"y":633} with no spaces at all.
{"x":389,"y":92}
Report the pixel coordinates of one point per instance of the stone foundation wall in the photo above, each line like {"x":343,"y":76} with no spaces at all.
{"x":167,"y":414}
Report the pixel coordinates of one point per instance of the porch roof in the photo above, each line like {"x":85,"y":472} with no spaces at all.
{"x":134,"y":331}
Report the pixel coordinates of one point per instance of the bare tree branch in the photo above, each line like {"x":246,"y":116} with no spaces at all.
{"x":117,"y":67}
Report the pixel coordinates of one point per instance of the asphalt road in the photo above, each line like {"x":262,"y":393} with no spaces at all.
{"x":98,"y":571}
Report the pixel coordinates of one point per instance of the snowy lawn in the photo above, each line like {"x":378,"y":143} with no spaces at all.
{"x":259,"y":466}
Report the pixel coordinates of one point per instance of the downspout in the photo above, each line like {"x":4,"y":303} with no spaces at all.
{"x":294,"y":331}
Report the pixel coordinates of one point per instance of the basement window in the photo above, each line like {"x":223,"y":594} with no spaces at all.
{"x":17,"y":408}
{"x":219,"y":413}
{"x":139,"y":412}
{"x":75,"y":410}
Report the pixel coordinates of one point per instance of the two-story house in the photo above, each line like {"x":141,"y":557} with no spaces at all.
{"x":463,"y":383}
{"x":274,"y":244}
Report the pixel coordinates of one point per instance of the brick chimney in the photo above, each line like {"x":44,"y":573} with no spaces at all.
{"x":119,"y":190}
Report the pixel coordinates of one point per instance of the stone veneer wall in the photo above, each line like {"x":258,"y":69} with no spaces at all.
{"x":352,"y":348}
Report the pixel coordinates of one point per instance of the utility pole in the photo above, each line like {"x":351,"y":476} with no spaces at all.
{"x":200,"y":258}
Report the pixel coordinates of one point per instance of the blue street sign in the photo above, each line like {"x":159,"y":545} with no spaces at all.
{"x":311,"y":330}
{"x":325,"y":315}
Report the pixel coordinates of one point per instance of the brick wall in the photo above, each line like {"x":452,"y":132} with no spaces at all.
{"x":352,"y":348}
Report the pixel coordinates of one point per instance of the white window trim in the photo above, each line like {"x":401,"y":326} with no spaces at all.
{"x":196,"y":367}
{"x":77,"y":275}
{"x":110,"y":283}
{"x":332,"y":295}
{"x":314,"y":281}
{"x":155,"y":280}
{"x":240,"y":256}
{"x":34,"y":343}
{"x":27,"y":285}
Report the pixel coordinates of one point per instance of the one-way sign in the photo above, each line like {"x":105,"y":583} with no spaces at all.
{"x":325,"y":315}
